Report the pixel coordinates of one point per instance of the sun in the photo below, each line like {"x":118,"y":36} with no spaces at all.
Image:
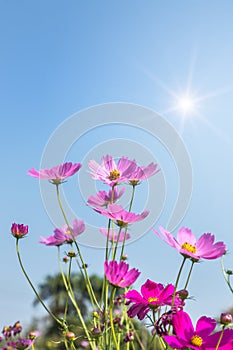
{"x":186,"y":104}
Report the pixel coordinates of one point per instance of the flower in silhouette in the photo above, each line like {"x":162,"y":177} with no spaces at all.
{"x":153,"y":295}
{"x":111,"y":172}
{"x":64,"y":234}
{"x":56,"y":174}
{"x":119,"y":274}
{"x":199,"y":338}
{"x":188,"y":246}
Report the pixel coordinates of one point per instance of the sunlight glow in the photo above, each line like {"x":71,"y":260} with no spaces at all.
{"x":186,"y":104}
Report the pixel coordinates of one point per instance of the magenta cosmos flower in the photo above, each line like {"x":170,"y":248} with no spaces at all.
{"x":19,"y":230}
{"x":153,"y":295}
{"x":103,"y":198}
{"x":120,"y":215}
{"x":64,"y":234}
{"x":119,"y":274}
{"x":56,"y":174}
{"x":188,"y":246}
{"x":111,"y":172}
{"x":143,"y":173}
{"x":113,"y":235}
{"x":199,"y":338}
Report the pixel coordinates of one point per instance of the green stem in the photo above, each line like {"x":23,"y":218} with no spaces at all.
{"x":132,"y":198}
{"x":225,"y":276}
{"x":220,"y":338}
{"x":189,"y":275}
{"x":126,"y":227}
{"x":111,"y":319}
{"x":33,"y":288}
{"x":177,"y":279}
{"x":72,"y":298}
{"x":87,"y":280}
{"x":116,"y":245}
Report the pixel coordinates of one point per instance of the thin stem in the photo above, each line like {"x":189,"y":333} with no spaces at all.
{"x":220,"y":338}
{"x":111,"y":319}
{"x":33,"y":288}
{"x":189,"y":275}
{"x":72,"y":298}
{"x":132,"y":198}
{"x":116,"y":245}
{"x":225,"y":276}
{"x":88,"y":283}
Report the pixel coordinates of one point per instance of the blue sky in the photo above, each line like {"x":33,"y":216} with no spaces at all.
{"x":58,"y":58}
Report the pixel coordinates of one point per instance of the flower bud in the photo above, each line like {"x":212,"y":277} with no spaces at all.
{"x":71,"y":254}
{"x":124,"y":257}
{"x":70,"y":336}
{"x":19,"y":230}
{"x":226,"y":319}
{"x":65,"y":259}
{"x":96,"y":331}
{"x":183,"y":294}
{"x":229,"y":272}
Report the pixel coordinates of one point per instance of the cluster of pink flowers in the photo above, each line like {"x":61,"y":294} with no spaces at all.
{"x":162,"y":304}
{"x":13,"y":340}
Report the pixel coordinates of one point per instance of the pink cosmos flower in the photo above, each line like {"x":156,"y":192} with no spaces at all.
{"x":153,"y":295}
{"x":188,"y":246}
{"x":143,"y":172}
{"x":64,"y":234}
{"x":120,"y":215}
{"x":19,"y":230}
{"x":119,"y":274}
{"x":111,"y":172}
{"x":113,"y":235}
{"x":102,"y":198}
{"x":56,"y":174}
{"x":199,"y":338}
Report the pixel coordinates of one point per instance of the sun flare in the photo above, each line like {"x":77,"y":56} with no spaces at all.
{"x":186,"y":104}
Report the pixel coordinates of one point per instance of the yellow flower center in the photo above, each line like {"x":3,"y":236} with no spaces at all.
{"x":114,"y":174}
{"x":196,"y":340}
{"x":151,"y":299}
{"x":189,"y":247}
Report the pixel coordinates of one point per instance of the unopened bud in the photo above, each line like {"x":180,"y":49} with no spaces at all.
{"x":229,"y":272}
{"x":65,"y":259}
{"x":183,"y":294}
{"x":71,"y":254}
{"x":96,"y":331}
{"x":70,"y":336}
{"x":124,"y":257}
{"x":226,"y":319}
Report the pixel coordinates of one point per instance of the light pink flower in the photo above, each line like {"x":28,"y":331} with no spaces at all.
{"x":113,"y":235}
{"x":120,"y":215}
{"x":64,"y":234}
{"x":200,"y":338}
{"x":19,"y":230}
{"x":103,"y":198}
{"x":119,"y":274}
{"x":56,"y":174}
{"x":143,"y":172}
{"x":187,"y":245}
{"x":111,"y":172}
{"x":153,"y":295}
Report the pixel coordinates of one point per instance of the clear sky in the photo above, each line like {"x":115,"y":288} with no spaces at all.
{"x":60,"y":57}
